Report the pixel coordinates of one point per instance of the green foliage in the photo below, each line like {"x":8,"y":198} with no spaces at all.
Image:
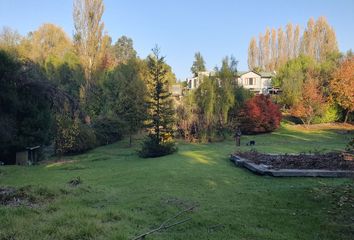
{"x":225,"y":78}
{"x":86,"y":139}
{"x":241,"y":96}
{"x":24,"y":108}
{"x":125,"y":94}
{"x":331,"y":113}
{"x":66,"y":73}
{"x":160,"y":119}
{"x":291,"y":78}
{"x":350,"y":145}
{"x":198,"y":64}
{"x":119,"y":190}
{"x":72,"y":136}
{"x":124,"y":49}
{"x":108,"y":130}
{"x":151,"y":148}
{"x":211,"y":104}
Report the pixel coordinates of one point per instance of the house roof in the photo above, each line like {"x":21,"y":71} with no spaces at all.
{"x":267,"y":74}
{"x":262,"y":74}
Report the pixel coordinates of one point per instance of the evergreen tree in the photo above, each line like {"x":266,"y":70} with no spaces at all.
{"x":127,"y":97}
{"x":198,"y":64}
{"x":160,"y":118}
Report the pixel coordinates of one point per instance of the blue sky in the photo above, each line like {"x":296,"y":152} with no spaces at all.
{"x":182,"y":27}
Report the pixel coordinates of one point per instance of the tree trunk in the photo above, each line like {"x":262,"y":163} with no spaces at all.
{"x":130,"y":140}
{"x":346,"y":116}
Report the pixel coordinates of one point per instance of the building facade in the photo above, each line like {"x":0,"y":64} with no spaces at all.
{"x":260,"y":83}
{"x":256,"y":82}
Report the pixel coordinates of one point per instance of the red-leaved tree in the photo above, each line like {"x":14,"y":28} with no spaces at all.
{"x":259,"y":115}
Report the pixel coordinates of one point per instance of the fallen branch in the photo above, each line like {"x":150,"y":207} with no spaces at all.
{"x":164,"y":225}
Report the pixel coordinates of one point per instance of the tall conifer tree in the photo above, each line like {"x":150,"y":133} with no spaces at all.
{"x":160,"y":116}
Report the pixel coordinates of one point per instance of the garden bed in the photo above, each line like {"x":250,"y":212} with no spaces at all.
{"x":300,"y":165}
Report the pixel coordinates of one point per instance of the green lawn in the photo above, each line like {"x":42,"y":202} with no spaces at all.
{"x":122,"y":196}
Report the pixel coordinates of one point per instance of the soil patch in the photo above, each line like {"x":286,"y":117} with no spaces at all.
{"x":24,"y":196}
{"x":325,"y":161}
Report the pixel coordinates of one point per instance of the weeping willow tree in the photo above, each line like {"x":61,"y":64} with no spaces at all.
{"x":215,"y":98}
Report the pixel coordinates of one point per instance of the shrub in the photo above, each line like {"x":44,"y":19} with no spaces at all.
{"x":108,"y":130}
{"x":331,"y":114}
{"x":86,"y":139}
{"x":152,"y":148}
{"x":259,"y":115}
{"x":72,"y":136}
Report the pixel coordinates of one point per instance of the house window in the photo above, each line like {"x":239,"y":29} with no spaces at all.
{"x":250,"y":81}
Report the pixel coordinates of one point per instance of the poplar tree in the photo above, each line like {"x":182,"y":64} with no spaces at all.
{"x":290,"y":41}
{"x":260,"y":52}
{"x":308,"y":39}
{"x":88,"y":35}
{"x":296,"y":41}
{"x":281,"y":49}
{"x":253,"y":54}
{"x":274,"y":52}
{"x":266,"y":50}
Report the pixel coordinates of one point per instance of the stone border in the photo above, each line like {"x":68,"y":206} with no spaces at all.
{"x":262,"y":169}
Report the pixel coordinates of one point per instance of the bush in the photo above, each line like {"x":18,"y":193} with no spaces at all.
{"x":151,"y":148}
{"x":108,"y":130}
{"x":332,"y":113}
{"x":86,"y":139}
{"x":259,"y":115}
{"x":72,"y":136}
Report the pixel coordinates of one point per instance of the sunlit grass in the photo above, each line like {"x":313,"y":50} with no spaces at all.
{"x":122,"y":195}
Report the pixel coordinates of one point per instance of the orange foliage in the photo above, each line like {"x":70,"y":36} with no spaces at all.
{"x":342,"y":85}
{"x":311,"y":103}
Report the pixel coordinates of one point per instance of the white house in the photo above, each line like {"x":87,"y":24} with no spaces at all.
{"x":193,"y":83}
{"x":256,"y":82}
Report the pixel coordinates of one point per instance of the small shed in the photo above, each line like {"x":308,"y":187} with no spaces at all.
{"x":28,"y":156}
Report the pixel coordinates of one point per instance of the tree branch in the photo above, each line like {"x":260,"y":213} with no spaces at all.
{"x":164,"y":225}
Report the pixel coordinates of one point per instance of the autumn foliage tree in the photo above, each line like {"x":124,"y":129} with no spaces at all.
{"x":259,"y":115}
{"x":276,"y":47}
{"x":311,"y":103}
{"x":342,"y":86}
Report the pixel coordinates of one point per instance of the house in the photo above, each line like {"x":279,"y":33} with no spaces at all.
{"x":193,"y":83}
{"x":176,"y":90}
{"x":256,"y":82}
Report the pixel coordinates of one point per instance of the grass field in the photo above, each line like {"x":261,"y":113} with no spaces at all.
{"x":122,"y":195}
